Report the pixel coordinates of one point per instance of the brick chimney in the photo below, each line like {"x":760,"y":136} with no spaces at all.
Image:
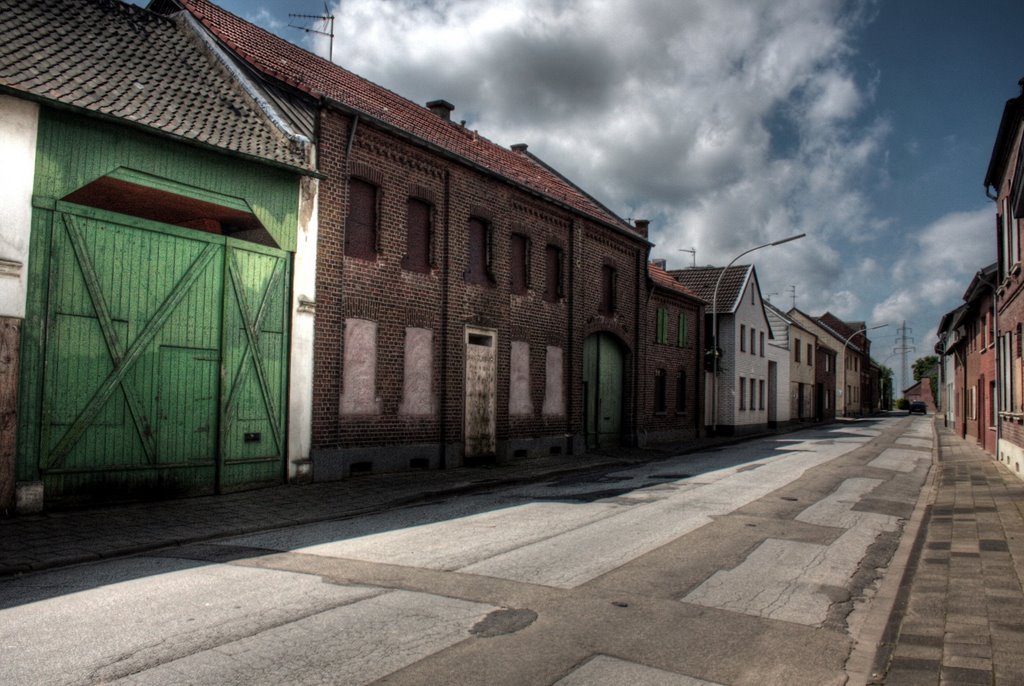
{"x":641,"y":226}
{"x":660,"y":264}
{"x":441,"y":108}
{"x":519,"y":147}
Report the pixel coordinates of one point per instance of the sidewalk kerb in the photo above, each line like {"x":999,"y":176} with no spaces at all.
{"x":874,"y":644}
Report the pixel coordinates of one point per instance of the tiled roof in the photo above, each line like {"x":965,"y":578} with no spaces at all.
{"x":664,"y":280}
{"x":319,"y":77}
{"x":702,"y":280}
{"x":126,"y":62}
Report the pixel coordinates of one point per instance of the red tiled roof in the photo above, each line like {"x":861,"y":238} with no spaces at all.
{"x":289,"y":63}
{"x":702,"y":281}
{"x":664,"y":280}
{"x":126,"y":62}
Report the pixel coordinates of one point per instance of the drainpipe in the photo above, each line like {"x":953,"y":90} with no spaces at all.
{"x":568,"y":370}
{"x":442,"y":461}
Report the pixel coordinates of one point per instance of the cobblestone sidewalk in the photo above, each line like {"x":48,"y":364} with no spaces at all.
{"x":961,"y":618}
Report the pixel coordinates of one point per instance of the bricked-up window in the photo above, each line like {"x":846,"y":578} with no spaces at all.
{"x":659,"y":391}
{"x":480,"y":252}
{"x":683,"y":332}
{"x":361,"y":226}
{"x":520,"y":276}
{"x":417,"y":236}
{"x":609,"y":289}
{"x":554,"y":288}
{"x":681,"y":391}
{"x":661,"y":325}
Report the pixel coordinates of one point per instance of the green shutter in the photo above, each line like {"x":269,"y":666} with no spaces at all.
{"x":661,"y":326}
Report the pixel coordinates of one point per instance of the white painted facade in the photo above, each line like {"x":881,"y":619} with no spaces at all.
{"x":300,"y":365}
{"x":19,"y":125}
{"x":779,"y":355}
{"x":745,"y":377}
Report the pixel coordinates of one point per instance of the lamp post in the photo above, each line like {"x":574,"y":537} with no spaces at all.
{"x":846,"y":399}
{"x":714,"y":325}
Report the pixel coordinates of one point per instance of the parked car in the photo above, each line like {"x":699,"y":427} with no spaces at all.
{"x":917,"y":406}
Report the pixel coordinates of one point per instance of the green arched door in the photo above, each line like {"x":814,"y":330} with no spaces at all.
{"x":603,"y":364}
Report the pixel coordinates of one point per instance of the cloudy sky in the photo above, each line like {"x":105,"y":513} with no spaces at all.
{"x":731,"y":123}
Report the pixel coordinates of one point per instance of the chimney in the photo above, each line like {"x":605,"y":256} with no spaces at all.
{"x":641,"y":226}
{"x":441,"y":108}
{"x":660,"y":264}
{"x":519,"y":147}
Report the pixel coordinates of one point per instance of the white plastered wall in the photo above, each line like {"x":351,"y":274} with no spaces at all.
{"x":1012,"y":456}
{"x":300,"y":387}
{"x":19,"y":124}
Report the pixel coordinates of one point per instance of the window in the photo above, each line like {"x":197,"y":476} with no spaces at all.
{"x":418,"y":255}
{"x":828,"y":362}
{"x":520,"y":276}
{"x":760,"y":395}
{"x":753,"y":341}
{"x":554,"y":290}
{"x":796,"y":350}
{"x":659,"y":391}
{"x":743,"y":393}
{"x":683,"y":336}
{"x":609,"y":289}
{"x":810,"y":352}
{"x":753,"y":389}
{"x":361,"y":225}
{"x":743,"y":338}
{"x":762,"y":344}
{"x":661,"y":326}
{"x":681,"y":392}
{"x":480,"y":253}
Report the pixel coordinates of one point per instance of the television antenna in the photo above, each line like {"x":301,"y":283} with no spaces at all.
{"x":325,"y":21}
{"x":693,"y":254}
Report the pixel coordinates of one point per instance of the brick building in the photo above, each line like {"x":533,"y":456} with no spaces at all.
{"x":824,"y":383}
{"x":670,"y":408}
{"x":972,"y":342}
{"x":1003,"y":184}
{"x":471,"y":302}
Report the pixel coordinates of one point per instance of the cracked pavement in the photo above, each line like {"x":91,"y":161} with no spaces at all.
{"x":735,"y":566}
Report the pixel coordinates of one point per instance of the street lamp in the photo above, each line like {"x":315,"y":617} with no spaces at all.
{"x":714,"y":326}
{"x":846,"y":399}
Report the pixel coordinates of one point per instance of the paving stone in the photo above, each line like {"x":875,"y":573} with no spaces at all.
{"x":960,"y":675}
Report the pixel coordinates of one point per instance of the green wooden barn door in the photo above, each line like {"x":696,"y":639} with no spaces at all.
{"x":603,"y":367}
{"x":132,"y":357}
{"x":255,"y":365}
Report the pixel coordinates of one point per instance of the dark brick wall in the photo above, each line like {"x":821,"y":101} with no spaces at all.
{"x":671,"y":425}
{"x":441,"y":300}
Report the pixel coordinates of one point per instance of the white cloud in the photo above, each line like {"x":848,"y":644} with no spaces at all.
{"x":728,"y":124}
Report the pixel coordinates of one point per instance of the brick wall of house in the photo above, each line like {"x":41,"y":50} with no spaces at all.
{"x":442,"y":301}
{"x":825,"y":380}
{"x":677,"y":421}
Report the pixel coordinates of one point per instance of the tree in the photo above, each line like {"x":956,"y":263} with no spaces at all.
{"x":926,"y":366}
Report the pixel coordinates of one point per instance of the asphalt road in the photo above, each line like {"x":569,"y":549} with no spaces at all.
{"x":752,"y":564}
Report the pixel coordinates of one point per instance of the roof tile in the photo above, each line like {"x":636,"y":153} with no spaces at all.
{"x":276,"y":57}
{"x":702,"y":281}
{"x":125,"y":61}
